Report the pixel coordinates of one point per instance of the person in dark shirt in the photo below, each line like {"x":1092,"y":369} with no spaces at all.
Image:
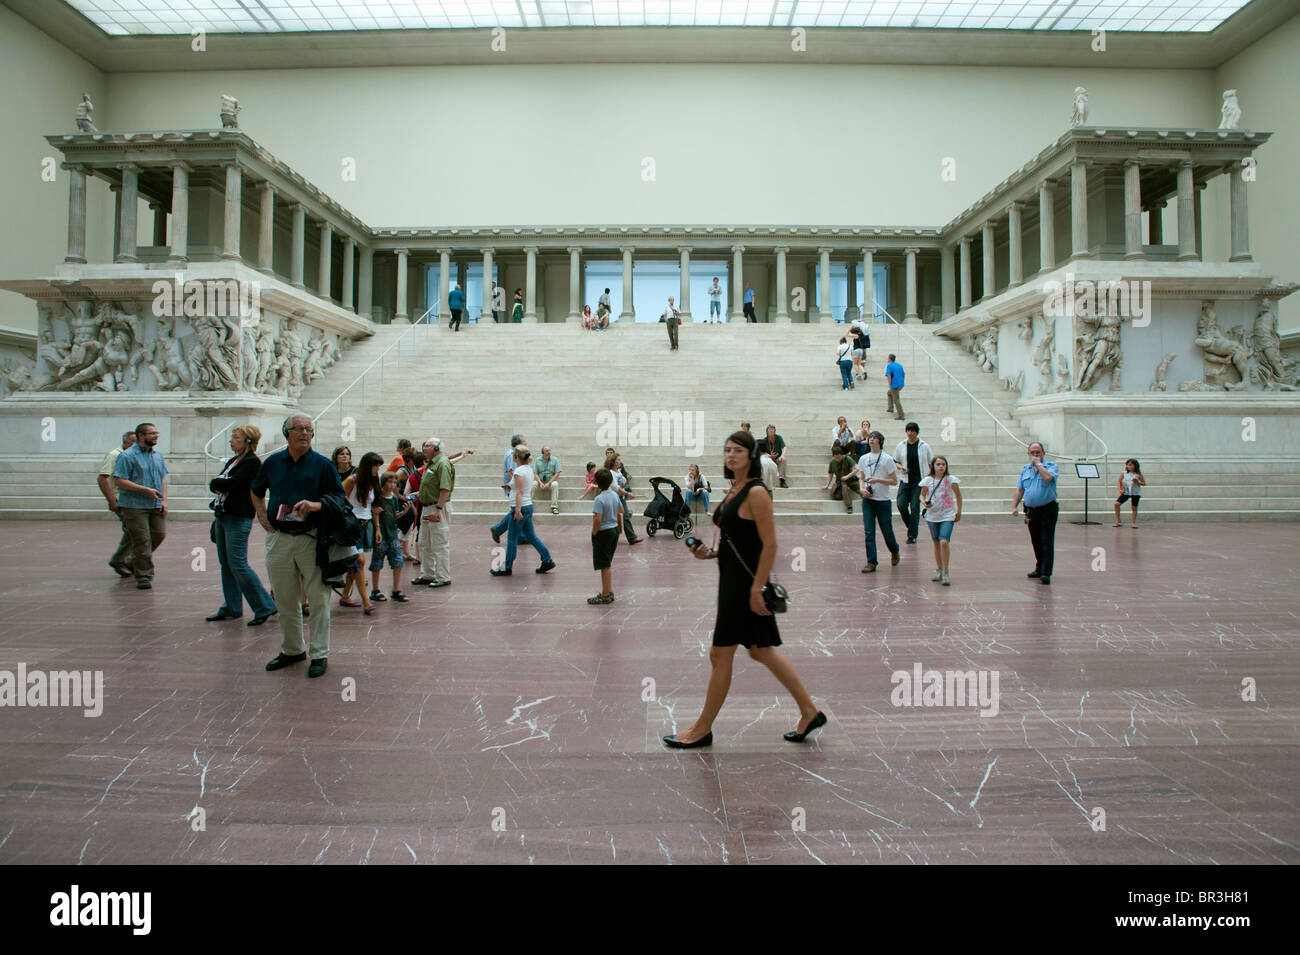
{"x":296,"y":480}
{"x":773,"y":445}
{"x":234,"y":518}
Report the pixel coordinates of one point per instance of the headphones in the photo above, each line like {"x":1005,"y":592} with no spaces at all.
{"x":284,"y":428}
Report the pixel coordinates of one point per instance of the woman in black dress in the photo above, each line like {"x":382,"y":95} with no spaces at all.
{"x":748,"y":543}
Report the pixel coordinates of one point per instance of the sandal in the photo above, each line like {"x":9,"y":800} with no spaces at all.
{"x":414,"y":560}
{"x":369,"y":610}
{"x":349,"y":603}
{"x":377,"y":595}
{"x":400,"y":597}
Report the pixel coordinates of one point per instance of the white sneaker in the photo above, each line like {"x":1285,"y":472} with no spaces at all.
{"x":938,"y":575}
{"x":946,"y":582}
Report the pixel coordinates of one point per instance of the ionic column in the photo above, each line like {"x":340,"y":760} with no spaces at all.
{"x":1046,"y":228}
{"x":1015,"y":257}
{"x":366,"y":283}
{"x":159,"y":224}
{"x":1156,"y":223}
{"x":824,"y":312}
{"x":349,"y":249}
{"x":299,"y":248}
{"x":1186,"y":222}
{"x":628,"y":314}
{"x":965,"y":272}
{"x":911,"y":316}
{"x":989,"y":261}
{"x":1197,"y":221}
{"x":1237,"y":217}
{"x":76,"y":215}
{"x":812,"y":292}
{"x":180,"y":253}
{"x":782,"y":292}
{"x":869,"y":284}
{"x":400,"y":315}
{"x":1079,"y":211}
{"x":575,"y":281}
{"x":684,"y":298}
{"x":530,"y":286}
{"x":117,"y":219}
{"x":851,"y":307}
{"x":266,"y":229}
{"x":488,"y":314}
{"x":1132,"y":210}
{"x":737,"y":283}
{"x":234,"y":205}
{"x":947,"y":283}
{"x":444,"y":284}
{"x":326,"y":260}
{"x":129,"y":198}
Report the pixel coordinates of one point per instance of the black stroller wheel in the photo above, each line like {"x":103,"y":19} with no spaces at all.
{"x":680,"y":528}
{"x":651,"y":527}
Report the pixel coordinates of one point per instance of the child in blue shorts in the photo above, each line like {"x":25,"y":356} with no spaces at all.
{"x":388,"y":507}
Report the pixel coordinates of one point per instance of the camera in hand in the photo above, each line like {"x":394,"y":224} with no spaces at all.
{"x":693,"y":542}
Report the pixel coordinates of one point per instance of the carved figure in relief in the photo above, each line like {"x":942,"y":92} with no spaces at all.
{"x":1025,"y":329}
{"x":168,"y":366}
{"x":50,"y":351}
{"x":1062,"y":373}
{"x":1221,"y":351}
{"x":289,"y":353}
{"x":17,"y":376}
{"x":214,"y":361}
{"x":230,"y":110}
{"x":1272,"y":371}
{"x":314,"y":362}
{"x":1162,"y":369}
{"x":1042,"y":359}
{"x":1230,"y":114}
{"x":86,"y":345}
{"x":84,"y":109}
{"x":1097,"y":349}
{"x":265,"y":359}
{"x":1079,"y":116}
{"x":989,"y":347}
{"x":1015,"y":384}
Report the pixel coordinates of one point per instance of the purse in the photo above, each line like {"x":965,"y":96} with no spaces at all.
{"x":775,"y":597}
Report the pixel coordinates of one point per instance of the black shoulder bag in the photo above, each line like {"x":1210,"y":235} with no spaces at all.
{"x":775,"y":597}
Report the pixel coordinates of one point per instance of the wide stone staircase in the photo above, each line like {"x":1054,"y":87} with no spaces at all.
{"x":580,"y":391}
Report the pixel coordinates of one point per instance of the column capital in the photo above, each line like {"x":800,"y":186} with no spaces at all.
{"x":178,"y":164}
{"x":685,"y":249}
{"x":77,"y":167}
{"x":442,"y":251}
{"x":1156,"y":204}
{"x":488,"y":250}
{"x":911,"y":251}
{"x":128,"y":167}
{"x":627,"y":249}
{"x":575,"y":249}
{"x":296,"y":207}
{"x":965,"y":241}
{"x":1047,"y":185}
{"x":825,"y":250}
{"x":531,"y":249}
{"x":737,"y":248}
{"x":265,"y":186}
{"x":1131,"y":161}
{"x":1016,"y":205}
{"x":869,"y":251}
{"x":781,"y":250}
{"x":156,"y":206}
{"x":401,"y":251}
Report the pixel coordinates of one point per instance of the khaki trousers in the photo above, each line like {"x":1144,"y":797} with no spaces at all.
{"x":435,"y":546}
{"x":290,"y":566}
{"x":147,"y":527}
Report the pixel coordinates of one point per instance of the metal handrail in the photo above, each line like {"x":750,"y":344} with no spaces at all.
{"x":952,"y":379}
{"x":1105,"y":448}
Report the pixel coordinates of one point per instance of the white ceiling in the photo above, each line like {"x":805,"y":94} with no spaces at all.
{"x":172,"y":17}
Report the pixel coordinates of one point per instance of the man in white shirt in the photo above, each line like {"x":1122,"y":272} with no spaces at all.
{"x":877,"y":473}
{"x":673,"y":318}
{"x":121,"y":559}
{"x":913,"y":457}
{"x":842,"y":433}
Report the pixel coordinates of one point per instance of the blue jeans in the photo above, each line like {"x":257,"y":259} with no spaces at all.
{"x":521,"y":532}
{"x":878,"y":512}
{"x":715,"y":308}
{"x":238,"y":580}
{"x":846,"y":374}
{"x":697,"y":495}
{"x":909,"y":508}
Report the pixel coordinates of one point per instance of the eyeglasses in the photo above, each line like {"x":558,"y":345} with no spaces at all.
{"x":304,"y":430}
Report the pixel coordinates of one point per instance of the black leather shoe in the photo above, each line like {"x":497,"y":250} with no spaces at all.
{"x":144,"y":585}
{"x":548,"y":565}
{"x":223,"y":616}
{"x":1033,"y":575}
{"x":283,"y":660}
{"x":503,"y":572}
{"x":672,"y":742}
{"x":496,"y":538}
{"x":262,"y":618}
{"x":1044,"y":580}
{"x":317,"y":668}
{"x":817,"y":722}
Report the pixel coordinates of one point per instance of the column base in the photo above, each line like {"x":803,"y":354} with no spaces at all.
{"x":74,"y":260}
{"x":178,"y":261}
{"x":401,"y":320}
{"x":1129,"y":256}
{"x":1188,"y":257}
{"x":267,"y":270}
{"x":825,"y":318}
{"x":125,"y":260}
{"x":687,"y":318}
{"x":1080,"y":255}
{"x":231,"y":257}
{"x":1241,"y":258}
{"x":911,"y":319}
{"x":851,"y":313}
{"x":627,"y":317}
{"x":573,"y":318}
{"x":782,"y":318}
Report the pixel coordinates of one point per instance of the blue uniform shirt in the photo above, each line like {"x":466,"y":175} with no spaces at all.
{"x":1037,"y":491}
{"x":309,"y":478}
{"x":894,"y":372}
{"x":145,"y":468}
{"x":749,"y":296}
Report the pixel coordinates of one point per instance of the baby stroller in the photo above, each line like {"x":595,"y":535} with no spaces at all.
{"x":665,"y":512}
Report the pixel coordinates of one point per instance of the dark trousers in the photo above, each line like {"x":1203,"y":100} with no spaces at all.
{"x":455,"y":319}
{"x":122,"y":556}
{"x":1042,"y":534}
{"x":878,"y":512}
{"x":627,"y":524}
{"x":909,"y":508}
{"x":672,"y":333}
{"x":749,"y":312}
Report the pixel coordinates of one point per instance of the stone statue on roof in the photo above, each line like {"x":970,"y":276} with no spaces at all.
{"x":1231,"y":112}
{"x":230,"y":110}
{"x":84,"y":109}
{"x":1080,"y":114}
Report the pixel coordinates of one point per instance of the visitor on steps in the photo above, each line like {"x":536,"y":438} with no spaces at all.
{"x":894,"y":382}
{"x":588,"y":322}
{"x":521,"y":523}
{"x":547,"y":468}
{"x":843,"y":358}
{"x":517,"y":310}
{"x":1131,"y":483}
{"x":591,"y":481}
{"x":861,"y":342}
{"x":942,"y":499}
{"x":602,"y":310}
{"x":862,"y":440}
{"x":456,"y":303}
{"x":773,"y":446}
{"x":606,"y":522}
{"x":507,"y":471}
{"x":695,"y":488}
{"x":913,"y":458}
{"x":878,"y":473}
{"x":749,"y":304}
{"x":121,"y":559}
{"x":841,"y":478}
{"x":842,"y":433}
{"x":745,"y":556}
{"x":498,"y":303}
{"x":404,"y":450}
{"x":1037,"y":488}
{"x":141,"y":478}
{"x":672,"y":318}
{"x":715,"y":302}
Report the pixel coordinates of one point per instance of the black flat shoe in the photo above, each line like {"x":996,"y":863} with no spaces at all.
{"x":318,"y":667}
{"x":672,"y":742}
{"x":1045,"y":580}
{"x":504,"y":572}
{"x":548,"y":565}
{"x":222,"y":616}
{"x":262,"y":618}
{"x":817,"y":722}
{"x":283,"y":660}
{"x":1033,"y":575}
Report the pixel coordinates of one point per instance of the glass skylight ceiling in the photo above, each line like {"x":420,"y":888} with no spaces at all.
{"x":125,"y":17}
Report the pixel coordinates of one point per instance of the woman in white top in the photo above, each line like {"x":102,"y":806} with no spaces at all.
{"x":941,"y":505}
{"x":695,"y":488}
{"x":361,"y":489}
{"x":844,"y":358}
{"x":521,"y":518}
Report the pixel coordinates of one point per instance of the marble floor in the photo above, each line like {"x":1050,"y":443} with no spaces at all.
{"x":506,"y":721}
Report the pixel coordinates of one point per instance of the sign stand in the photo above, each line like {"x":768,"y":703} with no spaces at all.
{"x":1088,"y":472}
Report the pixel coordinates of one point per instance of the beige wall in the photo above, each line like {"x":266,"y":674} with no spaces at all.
{"x":43,"y":82}
{"x":1266,"y":76}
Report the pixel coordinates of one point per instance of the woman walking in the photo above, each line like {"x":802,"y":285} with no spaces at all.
{"x":234,"y":518}
{"x":521,"y":524}
{"x":941,"y":505}
{"x":361,"y":490}
{"x":745,"y":558}
{"x":845,"y":361}
{"x":517,"y":310}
